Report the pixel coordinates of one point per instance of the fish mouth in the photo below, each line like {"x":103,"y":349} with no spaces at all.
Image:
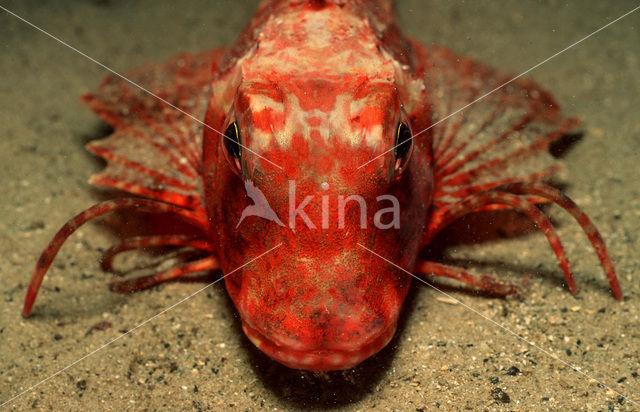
{"x":320,"y":359}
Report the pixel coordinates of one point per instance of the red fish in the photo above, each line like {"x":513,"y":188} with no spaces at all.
{"x":321,"y":109}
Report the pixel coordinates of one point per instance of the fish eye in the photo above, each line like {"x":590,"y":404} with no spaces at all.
{"x":403,"y":145}
{"x":232,"y":146}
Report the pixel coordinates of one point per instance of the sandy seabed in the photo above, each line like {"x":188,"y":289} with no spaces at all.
{"x":195,"y":356}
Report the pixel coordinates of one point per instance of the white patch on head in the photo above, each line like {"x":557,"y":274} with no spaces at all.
{"x":337,"y":123}
{"x":319,"y":24}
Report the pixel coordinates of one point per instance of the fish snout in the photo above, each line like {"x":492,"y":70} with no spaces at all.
{"x":318,"y":319}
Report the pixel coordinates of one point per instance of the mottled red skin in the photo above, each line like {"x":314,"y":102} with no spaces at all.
{"x":318,"y":88}
{"x":327,"y":302}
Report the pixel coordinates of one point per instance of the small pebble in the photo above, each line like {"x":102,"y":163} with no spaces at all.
{"x":102,"y":326}
{"x":82,"y":384}
{"x":500,"y":395}
{"x":513,"y":371}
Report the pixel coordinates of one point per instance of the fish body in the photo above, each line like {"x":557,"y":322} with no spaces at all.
{"x":315,"y":89}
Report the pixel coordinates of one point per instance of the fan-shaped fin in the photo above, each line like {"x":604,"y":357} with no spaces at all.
{"x":155,"y":149}
{"x":503,"y":137}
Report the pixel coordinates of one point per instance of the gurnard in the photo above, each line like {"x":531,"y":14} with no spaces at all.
{"x":329,"y":98}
